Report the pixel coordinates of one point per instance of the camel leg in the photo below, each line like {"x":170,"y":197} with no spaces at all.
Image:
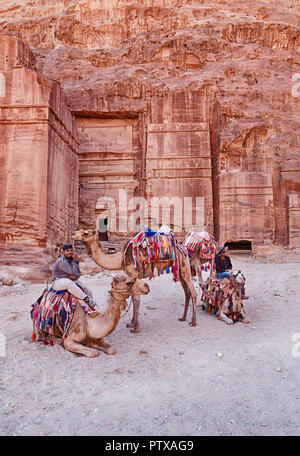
{"x":187,"y":298}
{"x":199,"y":273}
{"x":245,"y":319}
{"x":223,"y":317}
{"x":76,"y":347}
{"x":189,"y":285}
{"x":134,"y":322}
{"x":100,"y":344}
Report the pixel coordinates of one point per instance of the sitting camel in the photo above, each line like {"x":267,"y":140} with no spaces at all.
{"x":223,"y":297}
{"x":202,"y":247}
{"x":116,"y":262}
{"x":85,"y":334}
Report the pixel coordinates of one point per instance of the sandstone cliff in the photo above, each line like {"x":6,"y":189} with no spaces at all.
{"x":116,"y":59}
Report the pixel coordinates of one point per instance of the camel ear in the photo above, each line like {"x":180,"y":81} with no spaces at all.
{"x":94,"y":232}
{"x":130,"y":280}
{"x":119,"y":278}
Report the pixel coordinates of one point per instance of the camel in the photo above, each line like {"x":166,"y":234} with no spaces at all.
{"x":202,"y":248}
{"x":115,"y":262}
{"x":85,"y":334}
{"x":224,"y":297}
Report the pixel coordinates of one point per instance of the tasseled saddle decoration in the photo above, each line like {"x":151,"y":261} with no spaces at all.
{"x":153,"y":247}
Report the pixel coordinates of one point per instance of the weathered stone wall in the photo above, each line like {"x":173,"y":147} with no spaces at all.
{"x":119,"y":59}
{"x":179,"y":158}
{"x":39,"y":164}
{"x":109,"y":155}
{"x":24,"y":129}
{"x":63,"y":171}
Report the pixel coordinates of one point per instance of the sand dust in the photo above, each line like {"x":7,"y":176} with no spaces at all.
{"x":170,"y":379}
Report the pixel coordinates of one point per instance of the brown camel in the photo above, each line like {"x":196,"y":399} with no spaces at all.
{"x":115,"y":262}
{"x":86,"y":335}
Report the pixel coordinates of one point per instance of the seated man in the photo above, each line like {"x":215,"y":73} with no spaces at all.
{"x":223,"y":266}
{"x":66,"y":273}
{"x":223,"y":263}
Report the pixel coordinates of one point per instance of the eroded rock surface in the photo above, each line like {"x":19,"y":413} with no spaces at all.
{"x":124,"y":63}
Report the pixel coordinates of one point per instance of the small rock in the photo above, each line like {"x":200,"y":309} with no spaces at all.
{"x":278,"y":369}
{"x":8,"y":282}
{"x":220,"y":355}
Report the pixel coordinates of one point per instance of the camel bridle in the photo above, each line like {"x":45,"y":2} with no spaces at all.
{"x":237,"y":274}
{"x":118,"y":295}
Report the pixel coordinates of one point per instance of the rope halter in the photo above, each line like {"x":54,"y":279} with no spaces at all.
{"x":121,"y":295}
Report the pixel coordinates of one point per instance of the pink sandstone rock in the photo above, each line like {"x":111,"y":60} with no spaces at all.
{"x":134,"y":71}
{"x":39,"y":163}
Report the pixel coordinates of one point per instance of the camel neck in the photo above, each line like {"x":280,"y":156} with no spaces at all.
{"x":106,"y":261}
{"x":112,"y":313}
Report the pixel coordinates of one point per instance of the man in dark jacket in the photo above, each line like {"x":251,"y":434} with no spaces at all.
{"x":223,"y":264}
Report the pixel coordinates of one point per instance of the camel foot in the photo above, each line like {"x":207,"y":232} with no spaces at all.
{"x":192,"y":323}
{"x":182,"y":319}
{"x":111,"y":351}
{"x":246,"y":321}
{"x":136,"y":330}
{"x":130,"y":325}
{"x":92,"y":354}
{"x":229,"y":322}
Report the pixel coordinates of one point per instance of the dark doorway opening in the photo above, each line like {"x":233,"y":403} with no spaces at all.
{"x":239,"y":245}
{"x":102,"y":229}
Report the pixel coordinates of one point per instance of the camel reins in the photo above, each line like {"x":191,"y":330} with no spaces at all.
{"x":112,"y":291}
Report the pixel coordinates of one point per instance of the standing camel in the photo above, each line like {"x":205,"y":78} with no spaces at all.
{"x":116,"y":262}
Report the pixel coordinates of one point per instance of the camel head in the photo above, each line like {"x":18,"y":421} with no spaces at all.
{"x":125,"y":286}
{"x":84,"y":235}
{"x":238,"y":277}
{"x":140,"y":287}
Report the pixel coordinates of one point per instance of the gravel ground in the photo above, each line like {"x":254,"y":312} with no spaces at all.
{"x":167,"y":380}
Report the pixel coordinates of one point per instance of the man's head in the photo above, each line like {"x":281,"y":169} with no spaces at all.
{"x":67,"y":250}
{"x":223,"y":252}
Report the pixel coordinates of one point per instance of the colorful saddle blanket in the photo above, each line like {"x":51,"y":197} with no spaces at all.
{"x":204,"y":243}
{"x":55,"y":306}
{"x":155,"y":247}
{"x":215,"y":293}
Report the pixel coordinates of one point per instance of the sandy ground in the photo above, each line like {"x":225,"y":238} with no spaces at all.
{"x":167,"y":380}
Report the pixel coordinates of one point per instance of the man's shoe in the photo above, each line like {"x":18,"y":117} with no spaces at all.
{"x":93,"y":314}
{"x":90,"y":302}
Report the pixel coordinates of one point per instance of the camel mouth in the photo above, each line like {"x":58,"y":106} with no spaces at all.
{"x":77,"y":236}
{"x":146,"y":289}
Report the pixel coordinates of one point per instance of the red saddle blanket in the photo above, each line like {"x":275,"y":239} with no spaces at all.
{"x":52,"y":307}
